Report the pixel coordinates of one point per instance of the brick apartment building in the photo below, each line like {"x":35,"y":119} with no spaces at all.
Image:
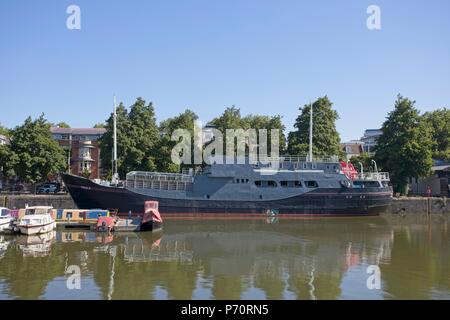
{"x":83,"y":150}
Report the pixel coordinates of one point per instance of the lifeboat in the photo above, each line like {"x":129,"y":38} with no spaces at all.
{"x":349,"y":170}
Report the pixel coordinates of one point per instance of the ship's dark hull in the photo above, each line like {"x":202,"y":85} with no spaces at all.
{"x":345,"y":201}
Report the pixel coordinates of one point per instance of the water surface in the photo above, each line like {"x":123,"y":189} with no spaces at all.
{"x":321,"y":258}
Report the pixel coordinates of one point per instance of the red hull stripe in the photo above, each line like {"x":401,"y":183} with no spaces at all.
{"x":243,"y":216}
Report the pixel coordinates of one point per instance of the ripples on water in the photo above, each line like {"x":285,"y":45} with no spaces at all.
{"x":324,"y":258}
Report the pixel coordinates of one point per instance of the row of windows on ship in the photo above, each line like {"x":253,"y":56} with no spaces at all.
{"x":274,"y":184}
{"x":303,"y":166}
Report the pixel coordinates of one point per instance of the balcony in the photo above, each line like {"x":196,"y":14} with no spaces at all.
{"x":86,"y":144}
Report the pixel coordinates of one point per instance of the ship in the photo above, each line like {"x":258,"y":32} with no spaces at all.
{"x":253,"y":185}
{"x":288,"y":185}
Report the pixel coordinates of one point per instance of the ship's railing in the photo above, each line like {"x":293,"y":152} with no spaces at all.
{"x":159,"y":176}
{"x":379,"y":176}
{"x":289,"y":158}
{"x":159,"y":181}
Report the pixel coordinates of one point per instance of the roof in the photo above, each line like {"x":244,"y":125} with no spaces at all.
{"x":355,"y":148}
{"x":78,"y":131}
{"x":372,"y":132}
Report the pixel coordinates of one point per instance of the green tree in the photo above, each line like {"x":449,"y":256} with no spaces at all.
{"x":99,"y":125}
{"x":267,"y":122}
{"x":439,"y":121}
{"x":7,"y":161}
{"x":137,"y":139}
{"x":325,"y":136}
{"x":185,"y":120}
{"x":365,"y":159}
{"x":405,"y":146}
{"x":145,"y":133}
{"x":4,"y":131}
{"x":231,"y":119}
{"x":35,"y":155}
{"x":123,"y":140}
{"x":86,"y":173}
{"x":62,"y":125}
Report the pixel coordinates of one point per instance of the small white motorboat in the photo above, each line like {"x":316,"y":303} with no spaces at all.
{"x":37,"y":220}
{"x":5,"y":218}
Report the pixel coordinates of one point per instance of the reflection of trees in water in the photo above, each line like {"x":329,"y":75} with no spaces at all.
{"x":26,"y":277}
{"x":138,"y":280}
{"x":274,"y":262}
{"x":227,"y":287}
{"x":4,"y":244}
{"x":269,"y":277}
{"x":307,"y":261}
{"x":420,"y":263}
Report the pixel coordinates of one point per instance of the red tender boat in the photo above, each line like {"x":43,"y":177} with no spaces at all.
{"x":150,"y":220}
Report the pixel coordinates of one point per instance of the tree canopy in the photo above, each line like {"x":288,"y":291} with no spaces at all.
{"x":4,"y":131}
{"x":405,"y":146}
{"x":137,"y":138}
{"x":99,"y":125}
{"x":325,"y":136}
{"x":439,"y":122}
{"x":62,"y":125}
{"x":365,"y":159}
{"x":33,"y":154}
{"x":267,"y":122}
{"x":185,"y":120}
{"x":6,"y":161}
{"x":231,"y":119}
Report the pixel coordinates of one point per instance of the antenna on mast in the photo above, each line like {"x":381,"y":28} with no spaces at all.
{"x":115,"y":177}
{"x":310,"y":131}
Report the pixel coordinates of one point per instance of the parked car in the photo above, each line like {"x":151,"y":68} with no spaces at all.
{"x":51,"y":187}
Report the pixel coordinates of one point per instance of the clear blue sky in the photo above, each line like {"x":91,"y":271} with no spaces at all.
{"x":265,"y":57}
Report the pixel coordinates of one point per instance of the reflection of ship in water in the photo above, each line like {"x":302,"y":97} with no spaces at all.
{"x":235,"y":246}
{"x":303,"y":259}
{"x":136,"y":249}
{"x":309,"y":258}
{"x":309,"y":246}
{"x":38,"y":245}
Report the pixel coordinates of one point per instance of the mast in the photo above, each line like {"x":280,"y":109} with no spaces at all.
{"x":310,"y":132}
{"x":115,"y":177}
